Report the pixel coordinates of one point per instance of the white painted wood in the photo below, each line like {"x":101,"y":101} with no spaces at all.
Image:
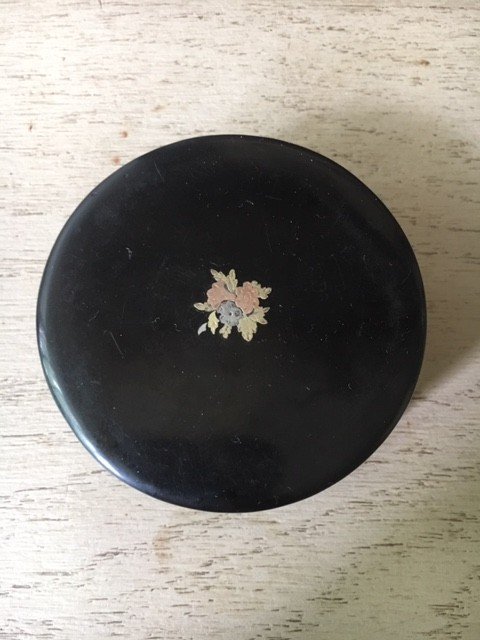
{"x":391,"y":91}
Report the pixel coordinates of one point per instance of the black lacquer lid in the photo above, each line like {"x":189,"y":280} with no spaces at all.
{"x":231,"y":323}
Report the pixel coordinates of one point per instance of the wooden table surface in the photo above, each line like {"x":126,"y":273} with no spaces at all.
{"x":391,"y":90}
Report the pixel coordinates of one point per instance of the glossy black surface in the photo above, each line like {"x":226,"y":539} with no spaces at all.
{"x":230,"y":425}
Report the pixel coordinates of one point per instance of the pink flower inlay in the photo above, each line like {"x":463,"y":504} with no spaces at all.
{"x":247,"y":298}
{"x":218,"y":294}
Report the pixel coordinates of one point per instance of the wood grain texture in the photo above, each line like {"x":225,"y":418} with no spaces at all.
{"x":391,"y":91}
